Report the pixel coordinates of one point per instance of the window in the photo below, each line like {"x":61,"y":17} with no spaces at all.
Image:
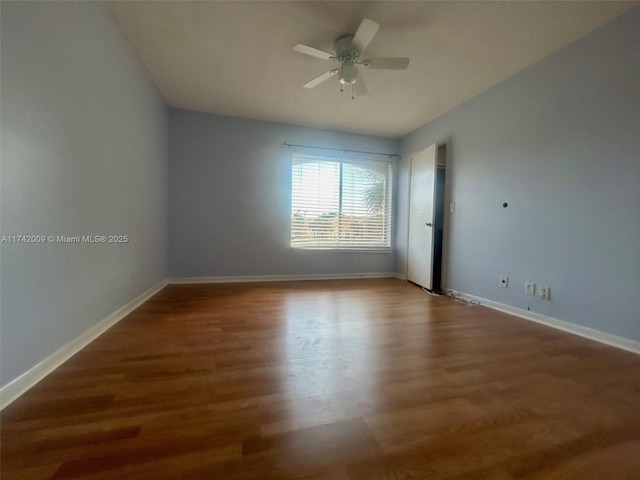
{"x":340,"y":204}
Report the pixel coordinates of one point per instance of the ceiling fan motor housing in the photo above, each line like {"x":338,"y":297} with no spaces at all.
{"x":343,"y":47}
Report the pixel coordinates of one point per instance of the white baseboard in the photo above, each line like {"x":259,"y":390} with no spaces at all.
{"x":280,"y":278}
{"x":400,"y":276}
{"x":586,"y":332}
{"x":24,"y":382}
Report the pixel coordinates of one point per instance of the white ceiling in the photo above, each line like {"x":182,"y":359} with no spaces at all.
{"x":235,"y":58}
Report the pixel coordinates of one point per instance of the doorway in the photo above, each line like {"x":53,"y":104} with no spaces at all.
{"x":426,"y":217}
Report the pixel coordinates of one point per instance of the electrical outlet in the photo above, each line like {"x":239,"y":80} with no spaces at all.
{"x":545,"y":292}
{"x":529,"y":288}
{"x":504,"y":281}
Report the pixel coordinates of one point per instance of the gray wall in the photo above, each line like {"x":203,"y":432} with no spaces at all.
{"x":560,"y":142}
{"x":230,"y":198}
{"x":84,"y":151}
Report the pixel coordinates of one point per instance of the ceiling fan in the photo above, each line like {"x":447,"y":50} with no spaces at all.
{"x":350,"y":54}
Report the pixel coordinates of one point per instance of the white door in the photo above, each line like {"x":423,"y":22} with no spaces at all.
{"x":421,"y":216}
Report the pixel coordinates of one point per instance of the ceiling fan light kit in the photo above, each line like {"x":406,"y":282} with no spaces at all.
{"x":349,"y":50}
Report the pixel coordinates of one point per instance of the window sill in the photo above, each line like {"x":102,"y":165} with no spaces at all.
{"x":345,"y":249}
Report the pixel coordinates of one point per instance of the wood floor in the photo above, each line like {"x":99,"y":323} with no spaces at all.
{"x":352,"y":380}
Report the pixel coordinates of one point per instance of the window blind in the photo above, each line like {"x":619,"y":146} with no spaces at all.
{"x":340,"y":203}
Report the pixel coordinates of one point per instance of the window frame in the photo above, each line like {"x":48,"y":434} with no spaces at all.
{"x":362,"y":162}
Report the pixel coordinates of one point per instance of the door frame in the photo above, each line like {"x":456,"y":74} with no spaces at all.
{"x":447,"y":201}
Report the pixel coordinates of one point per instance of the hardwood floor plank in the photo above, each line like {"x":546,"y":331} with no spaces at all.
{"x":345,"y":380}
{"x":331,"y":444}
{"x":171,"y":463}
{"x":49,"y":441}
{"x":30,"y":472}
{"x":596,"y":463}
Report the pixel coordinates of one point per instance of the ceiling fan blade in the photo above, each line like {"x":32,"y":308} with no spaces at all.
{"x":321,"y":78}
{"x":364,"y":35}
{"x":387,"y":63}
{"x":359,"y":88}
{"x":314,"y":52}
